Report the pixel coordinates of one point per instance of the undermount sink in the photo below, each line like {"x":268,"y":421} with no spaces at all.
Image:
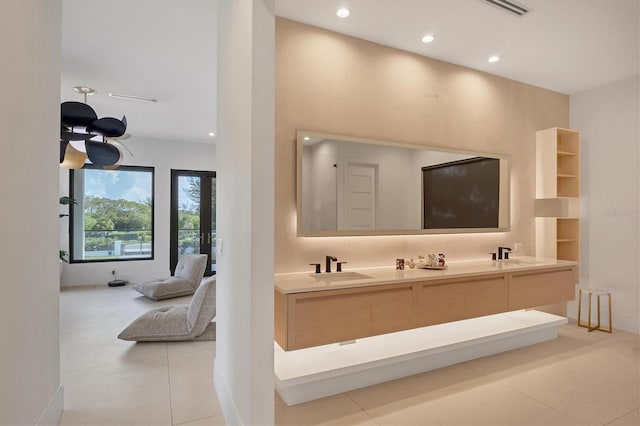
{"x":517,"y":262}
{"x":339,"y":276}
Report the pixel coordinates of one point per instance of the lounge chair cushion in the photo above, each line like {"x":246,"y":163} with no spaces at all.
{"x":179,"y":322}
{"x":187,"y":277}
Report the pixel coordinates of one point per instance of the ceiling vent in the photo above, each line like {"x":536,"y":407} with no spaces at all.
{"x":508,"y":6}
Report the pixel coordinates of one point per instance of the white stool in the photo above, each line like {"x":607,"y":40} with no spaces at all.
{"x":590,"y":292}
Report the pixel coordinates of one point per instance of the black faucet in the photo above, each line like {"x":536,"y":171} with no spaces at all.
{"x":504,"y":250}
{"x":328,"y":262}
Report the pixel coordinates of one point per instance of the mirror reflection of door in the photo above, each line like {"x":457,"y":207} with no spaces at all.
{"x":193,"y":216}
{"x":357,"y":209}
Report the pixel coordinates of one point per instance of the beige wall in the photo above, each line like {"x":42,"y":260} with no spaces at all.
{"x":333,"y":83}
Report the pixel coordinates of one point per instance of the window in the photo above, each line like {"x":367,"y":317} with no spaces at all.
{"x":113,"y":217}
{"x":193,"y":216}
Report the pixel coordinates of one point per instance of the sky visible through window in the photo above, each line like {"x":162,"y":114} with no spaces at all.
{"x":118,"y":184}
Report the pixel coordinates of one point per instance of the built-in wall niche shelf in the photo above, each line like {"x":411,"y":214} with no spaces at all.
{"x":557,"y":204}
{"x":557,"y":163}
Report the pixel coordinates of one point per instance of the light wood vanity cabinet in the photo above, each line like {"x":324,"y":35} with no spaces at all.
{"x":458,"y":299}
{"x":319,"y":317}
{"x":537,"y":288}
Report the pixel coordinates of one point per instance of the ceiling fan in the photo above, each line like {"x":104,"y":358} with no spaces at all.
{"x":85,"y":136}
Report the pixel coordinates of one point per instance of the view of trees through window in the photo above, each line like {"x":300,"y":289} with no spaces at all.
{"x":189,"y":215}
{"x":113,"y":217}
{"x":193,"y":236}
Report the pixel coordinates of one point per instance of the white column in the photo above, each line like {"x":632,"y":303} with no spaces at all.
{"x":244,"y":374}
{"x":30,"y":40}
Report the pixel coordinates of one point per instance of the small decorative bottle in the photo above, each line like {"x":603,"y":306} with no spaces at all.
{"x":411,"y":263}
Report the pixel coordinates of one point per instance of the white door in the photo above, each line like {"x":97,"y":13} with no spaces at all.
{"x":359,"y":207}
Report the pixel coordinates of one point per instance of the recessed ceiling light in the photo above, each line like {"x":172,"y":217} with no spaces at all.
{"x":212,"y":134}
{"x":428,"y":38}
{"x":343,"y":12}
{"x":494,"y":58}
{"x":306,"y":138}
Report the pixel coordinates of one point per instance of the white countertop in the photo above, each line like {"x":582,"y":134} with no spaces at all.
{"x":301,"y":282}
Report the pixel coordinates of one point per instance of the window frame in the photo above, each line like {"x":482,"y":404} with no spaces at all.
{"x":72,"y":212}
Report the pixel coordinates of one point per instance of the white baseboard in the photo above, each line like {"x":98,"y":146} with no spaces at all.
{"x":52,"y":414}
{"x":229,"y":409}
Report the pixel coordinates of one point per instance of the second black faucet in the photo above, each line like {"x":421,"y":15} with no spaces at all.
{"x":328,"y":260}
{"x":504,"y":250}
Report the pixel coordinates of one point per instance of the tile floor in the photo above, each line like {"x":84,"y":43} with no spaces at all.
{"x":579,"y":379}
{"x":112,"y":382}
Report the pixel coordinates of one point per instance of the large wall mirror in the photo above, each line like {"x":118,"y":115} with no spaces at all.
{"x":353,"y":186}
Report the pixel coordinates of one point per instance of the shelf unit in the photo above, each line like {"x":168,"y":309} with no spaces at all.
{"x":557,"y":194}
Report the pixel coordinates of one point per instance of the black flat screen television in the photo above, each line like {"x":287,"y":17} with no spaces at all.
{"x":461,"y":194}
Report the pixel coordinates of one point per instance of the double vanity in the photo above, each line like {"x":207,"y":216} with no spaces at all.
{"x":318,"y":309}
{"x":341,"y":331}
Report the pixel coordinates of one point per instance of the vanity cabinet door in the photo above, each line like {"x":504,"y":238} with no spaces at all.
{"x":319,"y":318}
{"x":537,"y":288}
{"x":453,"y":300}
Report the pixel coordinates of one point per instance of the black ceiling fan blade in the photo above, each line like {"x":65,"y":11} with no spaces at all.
{"x":108,"y":126}
{"x":77,"y":114}
{"x":71,"y":136}
{"x":102,"y":154}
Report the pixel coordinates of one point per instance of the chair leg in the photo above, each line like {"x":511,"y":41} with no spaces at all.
{"x":610,"y":317}
{"x":580,"y":307}
{"x":589,"y":313}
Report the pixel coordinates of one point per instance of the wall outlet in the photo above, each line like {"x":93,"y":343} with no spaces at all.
{"x":219,"y":247}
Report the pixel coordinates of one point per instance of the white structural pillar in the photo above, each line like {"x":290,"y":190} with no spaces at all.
{"x":245,"y":220}
{"x":30,"y":40}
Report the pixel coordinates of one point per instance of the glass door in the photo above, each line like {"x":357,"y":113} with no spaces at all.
{"x":193,"y":216}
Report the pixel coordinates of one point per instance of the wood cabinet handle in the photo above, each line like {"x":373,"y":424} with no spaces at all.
{"x":544,"y":271}
{"x":462,"y":281}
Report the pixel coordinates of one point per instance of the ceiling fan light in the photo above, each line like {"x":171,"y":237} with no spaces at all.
{"x":84,"y":90}
{"x":72,"y":159}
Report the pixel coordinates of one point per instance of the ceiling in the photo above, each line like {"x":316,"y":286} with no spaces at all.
{"x":155,"y":49}
{"x":165,"y":50}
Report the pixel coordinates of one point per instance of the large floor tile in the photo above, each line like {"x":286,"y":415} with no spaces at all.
{"x":89,"y":350}
{"x":437,"y":382}
{"x":178,"y":348}
{"x":596,"y":386}
{"x":193,"y":394}
{"x":488,"y":404}
{"x":630,"y":419}
{"x":117,"y":394}
{"x":334,"y":410}
{"x":207,"y":421}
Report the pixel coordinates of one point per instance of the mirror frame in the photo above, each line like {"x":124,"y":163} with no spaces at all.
{"x":301,"y":134}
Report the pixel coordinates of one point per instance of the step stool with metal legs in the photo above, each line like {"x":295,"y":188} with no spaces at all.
{"x":593,"y":292}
